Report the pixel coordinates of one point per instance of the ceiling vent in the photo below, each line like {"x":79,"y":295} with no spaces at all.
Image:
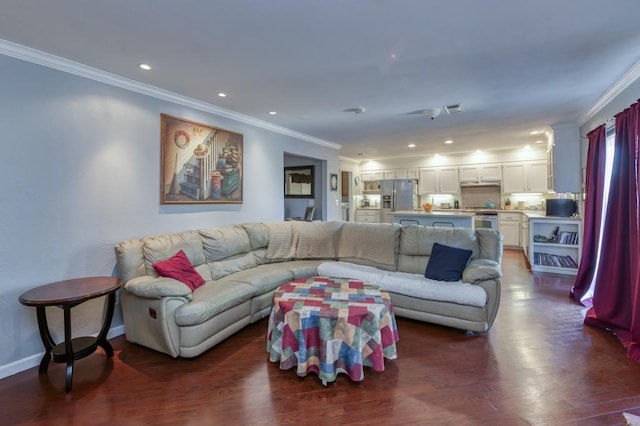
{"x":450,"y":109}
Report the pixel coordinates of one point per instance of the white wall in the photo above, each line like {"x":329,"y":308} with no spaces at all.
{"x":80,"y":172}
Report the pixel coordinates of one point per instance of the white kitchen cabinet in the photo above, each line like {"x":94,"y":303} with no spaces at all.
{"x":509,"y":225}
{"x":390,"y":174}
{"x":439,"y":181}
{"x":372,"y":175}
{"x":481,"y":173}
{"x":407,"y":174}
{"x":368,"y":215}
{"x":555,"y":245}
{"x":524,"y":177}
{"x":412,"y":174}
{"x":524,"y":235}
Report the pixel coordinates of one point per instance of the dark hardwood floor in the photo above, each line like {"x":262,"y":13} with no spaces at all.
{"x":538,"y":365}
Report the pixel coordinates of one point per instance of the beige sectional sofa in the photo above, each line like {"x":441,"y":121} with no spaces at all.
{"x":243,"y":265}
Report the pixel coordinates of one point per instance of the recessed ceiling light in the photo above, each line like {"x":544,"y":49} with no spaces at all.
{"x":448,"y":142}
{"x":272,"y":112}
{"x":145,"y":67}
{"x":222,"y":94}
{"x":412,"y":145}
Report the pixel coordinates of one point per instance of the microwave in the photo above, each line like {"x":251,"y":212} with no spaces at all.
{"x":561,"y":207}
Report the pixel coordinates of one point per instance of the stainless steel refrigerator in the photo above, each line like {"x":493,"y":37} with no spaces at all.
{"x":397,"y":195}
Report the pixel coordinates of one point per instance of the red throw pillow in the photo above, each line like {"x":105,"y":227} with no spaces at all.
{"x":180,"y":268}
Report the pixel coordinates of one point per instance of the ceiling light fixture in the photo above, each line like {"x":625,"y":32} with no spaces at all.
{"x":222,"y":94}
{"x":450,"y":109}
{"x":355,"y":110}
{"x":448,"y":142}
{"x":145,"y":67}
{"x":412,"y":145}
{"x":272,"y":112}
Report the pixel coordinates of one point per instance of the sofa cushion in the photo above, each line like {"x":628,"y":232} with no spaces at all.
{"x":211,"y":299}
{"x":316,"y":240}
{"x":414,"y":285}
{"x":258,"y":235}
{"x":263,"y":278}
{"x":447,"y":263}
{"x":179,"y":268}
{"x":418,"y":240}
{"x":280,"y":245}
{"x":233,"y":264}
{"x":221,"y":243}
{"x":163,"y":246}
{"x":371,"y":244}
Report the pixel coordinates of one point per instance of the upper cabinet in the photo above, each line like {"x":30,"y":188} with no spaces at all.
{"x":407,"y":174}
{"x":524,"y":177}
{"x":481,"y":173}
{"x":390,"y":174}
{"x":372,"y":175}
{"x":439,"y":181}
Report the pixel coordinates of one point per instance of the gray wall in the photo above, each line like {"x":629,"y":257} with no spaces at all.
{"x":80,"y":172}
{"x":618,"y":104}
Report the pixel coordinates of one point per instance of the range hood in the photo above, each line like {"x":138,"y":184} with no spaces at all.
{"x":485,"y":183}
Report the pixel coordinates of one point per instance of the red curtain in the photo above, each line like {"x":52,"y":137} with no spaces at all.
{"x":616,"y":298}
{"x":596,"y":157}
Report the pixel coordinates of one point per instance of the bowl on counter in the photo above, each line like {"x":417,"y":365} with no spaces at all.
{"x":427,"y":207}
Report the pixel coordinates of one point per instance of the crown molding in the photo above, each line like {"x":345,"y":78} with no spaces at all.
{"x":625,"y":81}
{"x":28,"y":54}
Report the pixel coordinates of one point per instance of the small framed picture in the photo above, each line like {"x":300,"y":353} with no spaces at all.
{"x":333,"y":182}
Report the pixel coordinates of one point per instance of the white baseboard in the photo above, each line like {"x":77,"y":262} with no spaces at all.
{"x":34,"y":360}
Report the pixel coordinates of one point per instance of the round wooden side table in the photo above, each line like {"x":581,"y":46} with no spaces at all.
{"x":67,"y":294}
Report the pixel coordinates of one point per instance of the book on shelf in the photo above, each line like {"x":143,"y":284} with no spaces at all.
{"x":554,"y":260}
{"x":565,"y":237}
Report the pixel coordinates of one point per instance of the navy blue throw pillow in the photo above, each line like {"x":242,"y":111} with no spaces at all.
{"x":447,"y":263}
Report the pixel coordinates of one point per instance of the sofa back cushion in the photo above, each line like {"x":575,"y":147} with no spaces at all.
{"x":417,"y":241}
{"x":223,"y":242}
{"x":316,"y":240}
{"x":163,"y":246}
{"x":280,"y":247}
{"x":371,"y":244}
{"x":258,"y":235}
{"x":490,"y":243}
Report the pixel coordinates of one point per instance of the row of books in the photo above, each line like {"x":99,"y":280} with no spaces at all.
{"x":565,"y":238}
{"x":546,"y":259}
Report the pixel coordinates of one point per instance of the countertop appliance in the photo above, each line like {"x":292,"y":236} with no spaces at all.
{"x":396,"y":195}
{"x":564,"y":207}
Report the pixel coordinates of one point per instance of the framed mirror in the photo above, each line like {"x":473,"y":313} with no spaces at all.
{"x":298,"y":182}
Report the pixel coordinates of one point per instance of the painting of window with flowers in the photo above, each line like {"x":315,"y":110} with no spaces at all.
{"x":200,"y":164}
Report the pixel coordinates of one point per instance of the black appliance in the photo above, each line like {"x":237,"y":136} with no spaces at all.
{"x":562,"y":207}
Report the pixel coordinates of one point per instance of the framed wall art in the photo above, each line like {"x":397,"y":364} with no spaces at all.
{"x":199,"y":164}
{"x":298,"y":182}
{"x":333,"y":181}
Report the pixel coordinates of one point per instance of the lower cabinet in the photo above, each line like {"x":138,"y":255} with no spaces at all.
{"x":509,"y":226}
{"x":368,"y":215}
{"x":555,"y":245}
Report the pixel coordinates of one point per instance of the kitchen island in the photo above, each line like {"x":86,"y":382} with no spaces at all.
{"x":456,"y":219}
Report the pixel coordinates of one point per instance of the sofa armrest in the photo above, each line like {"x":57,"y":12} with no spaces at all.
{"x":157,"y":288}
{"x":480,"y":270}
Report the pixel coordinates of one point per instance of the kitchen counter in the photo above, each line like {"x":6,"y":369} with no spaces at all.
{"x":458,"y":219}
